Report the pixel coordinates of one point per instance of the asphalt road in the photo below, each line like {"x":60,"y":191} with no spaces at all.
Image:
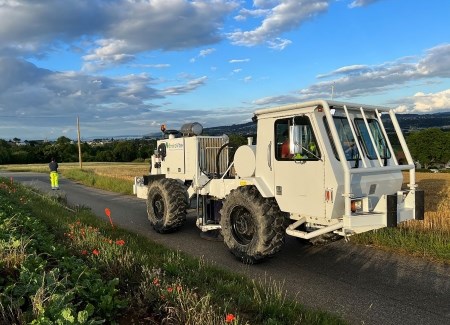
{"x":361,"y":284}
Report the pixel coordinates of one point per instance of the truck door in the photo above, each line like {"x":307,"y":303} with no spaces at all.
{"x":298,"y":167}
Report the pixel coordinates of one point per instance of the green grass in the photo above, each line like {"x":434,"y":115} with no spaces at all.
{"x":60,"y":265}
{"x":89,"y":178}
{"x":432,"y":245}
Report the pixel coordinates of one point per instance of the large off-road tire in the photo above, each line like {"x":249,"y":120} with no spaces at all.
{"x":166,"y":205}
{"x":253,"y":227}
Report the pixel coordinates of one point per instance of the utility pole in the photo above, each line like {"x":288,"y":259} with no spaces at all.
{"x":79,"y":143}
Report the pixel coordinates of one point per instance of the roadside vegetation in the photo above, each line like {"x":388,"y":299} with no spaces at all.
{"x":63,"y":265}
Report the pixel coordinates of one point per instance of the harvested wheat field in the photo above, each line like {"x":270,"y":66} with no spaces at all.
{"x":126,"y":171}
{"x":437,"y":202}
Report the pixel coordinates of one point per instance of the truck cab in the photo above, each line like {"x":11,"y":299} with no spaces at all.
{"x":340,"y":170}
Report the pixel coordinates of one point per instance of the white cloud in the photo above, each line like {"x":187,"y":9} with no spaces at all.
{"x":153,"y":66}
{"x":239,"y":61}
{"x":283,"y":16}
{"x":431,"y":102}
{"x":351,"y":69}
{"x":350,"y":82}
{"x":358,"y":80}
{"x":202,"y":54}
{"x":401,"y":109}
{"x":35,"y":92}
{"x":116,"y":29}
{"x":265,"y":3}
{"x":206,"y":52}
{"x":276,"y":100}
{"x":246,"y":13}
{"x":190,"y":86}
{"x":278,"y":43}
{"x":361,"y":3}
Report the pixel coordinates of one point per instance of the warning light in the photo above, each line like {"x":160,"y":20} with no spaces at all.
{"x":163,"y":127}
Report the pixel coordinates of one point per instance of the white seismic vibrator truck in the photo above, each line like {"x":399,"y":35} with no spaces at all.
{"x":317,"y":168}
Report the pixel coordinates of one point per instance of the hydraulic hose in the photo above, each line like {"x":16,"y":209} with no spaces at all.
{"x":217,"y":174}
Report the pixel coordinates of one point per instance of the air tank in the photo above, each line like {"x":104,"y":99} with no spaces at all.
{"x":190,"y":129}
{"x":245,"y":161}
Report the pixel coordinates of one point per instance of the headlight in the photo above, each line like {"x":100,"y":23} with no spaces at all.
{"x":356,"y":205}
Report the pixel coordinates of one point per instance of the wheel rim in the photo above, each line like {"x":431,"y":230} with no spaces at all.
{"x":242,"y":225}
{"x":158,"y":206}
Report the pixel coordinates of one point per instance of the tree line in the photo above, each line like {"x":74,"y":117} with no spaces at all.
{"x":66,"y":150}
{"x":428,"y":146}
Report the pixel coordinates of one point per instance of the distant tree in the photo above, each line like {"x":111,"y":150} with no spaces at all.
{"x":236,"y":141}
{"x":66,"y":149}
{"x":5,"y":152}
{"x":145,"y":148}
{"x":63,"y":141}
{"x":104,"y":156}
{"x":429,"y":146}
{"x":48,"y":151}
{"x":124,"y":151}
{"x":21,"y":157}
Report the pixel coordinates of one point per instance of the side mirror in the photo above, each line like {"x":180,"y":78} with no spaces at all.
{"x":296,"y":136}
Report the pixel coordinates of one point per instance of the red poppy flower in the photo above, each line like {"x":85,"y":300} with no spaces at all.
{"x":120,"y":242}
{"x":229,"y":318}
{"x":95,"y":252}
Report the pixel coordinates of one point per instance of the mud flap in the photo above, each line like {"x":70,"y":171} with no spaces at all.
{"x":149,"y":178}
{"x":391,"y":210}
{"x":420,"y":205}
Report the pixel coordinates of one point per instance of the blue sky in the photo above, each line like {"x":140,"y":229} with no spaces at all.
{"x":124,"y":67}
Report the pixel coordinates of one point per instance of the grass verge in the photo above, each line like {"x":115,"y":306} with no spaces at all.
{"x":65,"y":266}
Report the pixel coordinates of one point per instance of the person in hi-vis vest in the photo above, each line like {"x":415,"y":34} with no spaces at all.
{"x":53,"y":165}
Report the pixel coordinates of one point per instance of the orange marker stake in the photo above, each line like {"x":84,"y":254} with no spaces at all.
{"x":108,"y":213}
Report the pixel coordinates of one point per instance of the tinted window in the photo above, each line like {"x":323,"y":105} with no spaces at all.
{"x":345,"y":138}
{"x":295,"y":139}
{"x":378,"y":138}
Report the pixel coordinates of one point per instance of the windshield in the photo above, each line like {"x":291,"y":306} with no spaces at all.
{"x":345,"y":137}
{"x":378,"y":139}
{"x":348,"y":141}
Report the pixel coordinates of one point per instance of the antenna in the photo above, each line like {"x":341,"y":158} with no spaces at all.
{"x":332,"y":91}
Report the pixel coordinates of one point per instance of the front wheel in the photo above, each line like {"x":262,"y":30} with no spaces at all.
{"x":253,"y":227}
{"x":166,"y":205}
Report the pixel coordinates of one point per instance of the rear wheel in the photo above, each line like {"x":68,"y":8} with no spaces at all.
{"x":166,"y":205}
{"x":253,"y":227}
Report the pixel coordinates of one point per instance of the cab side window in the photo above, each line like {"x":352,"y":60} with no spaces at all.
{"x":295,"y":139}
